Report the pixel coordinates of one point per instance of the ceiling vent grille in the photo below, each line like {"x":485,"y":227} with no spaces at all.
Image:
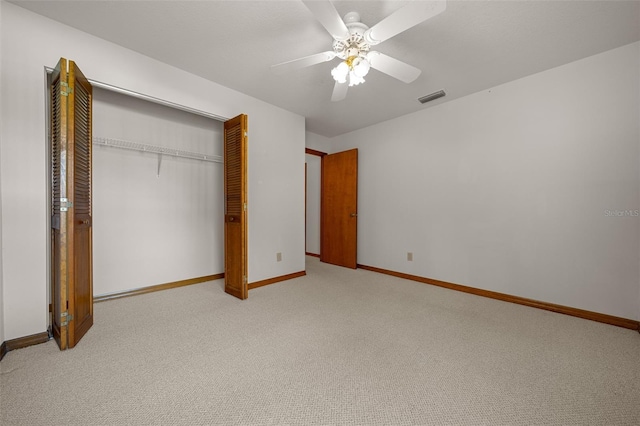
{"x":432,"y":97}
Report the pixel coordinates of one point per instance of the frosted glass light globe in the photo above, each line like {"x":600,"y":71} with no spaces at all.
{"x":340,"y":72}
{"x":361,"y":68}
{"x":355,"y":79}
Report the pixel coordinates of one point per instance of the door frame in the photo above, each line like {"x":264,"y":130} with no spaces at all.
{"x":321,"y":155}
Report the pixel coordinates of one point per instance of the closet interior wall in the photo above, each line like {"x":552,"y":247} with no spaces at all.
{"x":157,"y":218}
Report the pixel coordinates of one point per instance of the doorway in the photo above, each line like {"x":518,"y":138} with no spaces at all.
{"x":313,"y":169}
{"x":335,"y":220}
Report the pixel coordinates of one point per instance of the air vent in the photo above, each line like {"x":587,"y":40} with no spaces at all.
{"x":432,"y":97}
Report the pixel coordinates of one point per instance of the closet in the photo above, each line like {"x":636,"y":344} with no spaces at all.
{"x":145,"y":195}
{"x":158,"y":206}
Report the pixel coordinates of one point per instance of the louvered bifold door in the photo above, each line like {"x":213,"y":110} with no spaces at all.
{"x":58,"y":166}
{"x":79,"y":147}
{"x":71,"y":237}
{"x":235,"y":214}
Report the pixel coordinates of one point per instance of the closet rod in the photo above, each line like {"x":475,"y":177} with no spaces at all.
{"x":149,"y":98}
{"x":135,"y":146}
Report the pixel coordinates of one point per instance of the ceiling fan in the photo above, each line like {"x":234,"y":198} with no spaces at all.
{"x":353,"y":40}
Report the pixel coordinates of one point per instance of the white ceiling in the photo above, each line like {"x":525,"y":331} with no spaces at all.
{"x":472,"y":46}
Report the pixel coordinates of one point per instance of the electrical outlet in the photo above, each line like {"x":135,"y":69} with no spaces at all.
{"x":278,"y":257}
{"x":410,"y":256}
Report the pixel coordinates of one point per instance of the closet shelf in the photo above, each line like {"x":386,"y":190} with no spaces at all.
{"x":135,"y":146}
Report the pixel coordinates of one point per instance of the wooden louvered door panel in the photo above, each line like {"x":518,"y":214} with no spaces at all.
{"x":58,"y":166}
{"x":235,"y":207}
{"x":71,"y":237}
{"x":339,"y":209}
{"x":80,"y":291}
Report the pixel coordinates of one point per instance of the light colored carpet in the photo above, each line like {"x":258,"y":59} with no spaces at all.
{"x":339,"y":346}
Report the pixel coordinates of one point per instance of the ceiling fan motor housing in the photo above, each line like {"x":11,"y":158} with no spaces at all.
{"x":355,"y":46}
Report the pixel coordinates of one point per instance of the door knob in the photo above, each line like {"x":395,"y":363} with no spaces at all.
{"x":354,"y":214}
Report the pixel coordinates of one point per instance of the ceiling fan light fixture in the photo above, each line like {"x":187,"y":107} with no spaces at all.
{"x":354,"y":68}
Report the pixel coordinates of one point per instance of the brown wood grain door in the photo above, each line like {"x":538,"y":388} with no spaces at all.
{"x":79,"y":168}
{"x":235,"y":207}
{"x":71,"y":222}
{"x":58,"y":155}
{"x":339,"y":209}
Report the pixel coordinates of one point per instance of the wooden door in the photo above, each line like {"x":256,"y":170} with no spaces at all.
{"x":79,"y":170}
{"x":235,"y":207}
{"x":58,"y":155}
{"x":71,"y":250}
{"x":339,"y":209}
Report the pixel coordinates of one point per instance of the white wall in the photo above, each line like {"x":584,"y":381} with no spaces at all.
{"x":276,"y":194}
{"x":151,"y":228}
{"x":31,"y":42}
{"x":507,"y":189}
{"x":317,"y":142}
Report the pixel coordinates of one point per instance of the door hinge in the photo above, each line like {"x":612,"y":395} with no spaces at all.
{"x":65,"y":204}
{"x":65,"y":318}
{"x":244,"y":279}
{"x":246,"y":134}
{"x":245,"y":207}
{"x":65,"y":90}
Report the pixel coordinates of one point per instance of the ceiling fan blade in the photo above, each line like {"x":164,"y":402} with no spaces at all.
{"x":326,"y":13}
{"x":339,"y":92}
{"x":412,"y":14}
{"x":307,"y":61}
{"x":395,"y":68}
